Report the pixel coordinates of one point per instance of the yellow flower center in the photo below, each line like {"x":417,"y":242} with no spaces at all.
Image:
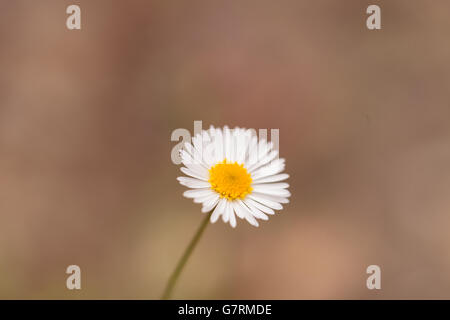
{"x":230,"y":180}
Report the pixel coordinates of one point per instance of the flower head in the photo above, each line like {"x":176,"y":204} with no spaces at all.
{"x":232,"y":174}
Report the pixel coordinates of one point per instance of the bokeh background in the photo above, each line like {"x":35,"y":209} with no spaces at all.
{"x":86,"y":117}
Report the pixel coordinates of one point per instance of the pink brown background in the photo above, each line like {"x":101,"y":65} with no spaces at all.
{"x":86,"y":117}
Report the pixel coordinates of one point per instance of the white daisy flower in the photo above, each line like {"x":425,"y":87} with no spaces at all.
{"x":232,"y":174}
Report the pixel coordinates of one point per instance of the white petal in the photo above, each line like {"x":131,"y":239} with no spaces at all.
{"x":252,"y":154}
{"x":195,"y":157}
{"x":189,"y":160}
{"x":227,"y":143}
{"x":260,"y":153}
{"x":276,"y":198}
{"x":260,"y":206}
{"x":239,"y":212}
{"x":248,"y":215}
{"x":276,"y":192}
{"x":271,"y":186}
{"x":226,"y":212}
{"x":197,"y":193}
{"x":243,"y":212}
{"x":205,"y":198}
{"x":197,"y":141}
{"x":218,"y":210}
{"x":272,"y":168}
{"x":264,"y":160}
{"x":193,"y":183}
{"x":193,"y":174}
{"x":211,"y":203}
{"x":255,"y":211}
{"x":231,"y":216}
{"x":240,"y":147}
{"x":262,"y":199}
{"x":274,"y":178}
{"x":218,"y":145}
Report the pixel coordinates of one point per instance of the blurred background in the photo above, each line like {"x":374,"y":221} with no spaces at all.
{"x":86,"y":117}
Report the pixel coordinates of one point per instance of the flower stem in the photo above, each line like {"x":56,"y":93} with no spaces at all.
{"x":176,"y":273}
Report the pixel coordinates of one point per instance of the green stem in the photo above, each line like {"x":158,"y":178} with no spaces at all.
{"x":176,"y":273}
